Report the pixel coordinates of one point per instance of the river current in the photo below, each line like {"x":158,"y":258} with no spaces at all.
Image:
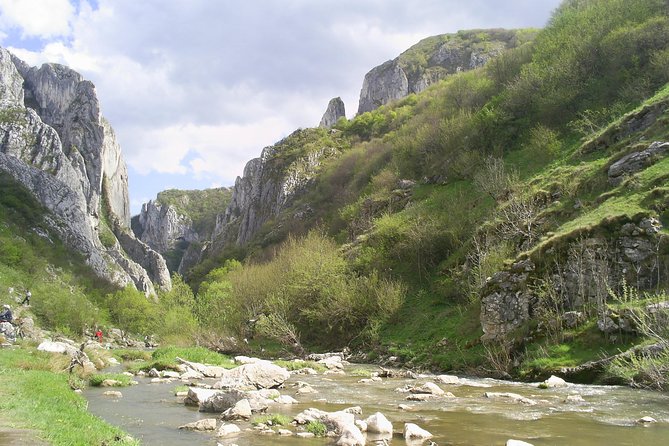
{"x":606,"y":416}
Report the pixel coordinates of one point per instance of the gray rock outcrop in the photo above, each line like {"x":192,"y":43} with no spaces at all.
{"x":56,"y":143}
{"x":267,"y":187}
{"x":162,"y":226}
{"x":588,"y":268}
{"x":429,"y":61}
{"x":333,"y":113}
{"x":636,"y":161}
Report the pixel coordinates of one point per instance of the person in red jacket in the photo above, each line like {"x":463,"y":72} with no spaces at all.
{"x":98,"y":334}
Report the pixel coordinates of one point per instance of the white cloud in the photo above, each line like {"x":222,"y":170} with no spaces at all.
{"x":38,"y":18}
{"x":198,"y":87}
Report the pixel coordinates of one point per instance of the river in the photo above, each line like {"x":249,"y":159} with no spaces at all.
{"x":151,"y":413}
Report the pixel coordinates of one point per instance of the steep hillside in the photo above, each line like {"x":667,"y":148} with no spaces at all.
{"x":56,"y":143}
{"x":513,"y":206}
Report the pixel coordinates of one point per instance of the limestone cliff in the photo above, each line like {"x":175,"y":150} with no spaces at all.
{"x":179,"y":223}
{"x":50,"y":120}
{"x":333,"y":113}
{"x":271,"y":183}
{"x":433,"y":59}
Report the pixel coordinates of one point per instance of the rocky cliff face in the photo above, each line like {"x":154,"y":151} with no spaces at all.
{"x":271,"y":183}
{"x":50,"y":120}
{"x":179,"y":223}
{"x":582,"y":273}
{"x":333,"y":113}
{"x":429,"y":61}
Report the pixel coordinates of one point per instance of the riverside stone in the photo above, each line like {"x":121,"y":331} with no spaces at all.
{"x":208,"y":424}
{"x":259,"y":375}
{"x":414,"y":432}
{"x":379,"y":424}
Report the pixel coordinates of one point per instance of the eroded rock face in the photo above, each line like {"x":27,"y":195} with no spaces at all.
{"x":66,"y":154}
{"x":334,"y":112}
{"x":588,"y":268}
{"x":162,"y":226}
{"x":429,"y":61}
{"x":266,"y":188}
{"x":637,"y":161}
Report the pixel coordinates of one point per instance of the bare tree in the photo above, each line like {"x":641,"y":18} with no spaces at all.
{"x":494,"y":179}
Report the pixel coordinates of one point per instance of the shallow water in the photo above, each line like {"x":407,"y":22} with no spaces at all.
{"x":151,"y":413}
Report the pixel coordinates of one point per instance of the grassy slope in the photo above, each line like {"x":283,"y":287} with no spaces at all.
{"x":37,"y":398}
{"x":599,"y":60}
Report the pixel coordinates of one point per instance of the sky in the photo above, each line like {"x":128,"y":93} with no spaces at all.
{"x":196,"y":88}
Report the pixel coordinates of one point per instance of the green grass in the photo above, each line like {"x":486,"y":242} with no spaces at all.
{"x":39,"y":399}
{"x":271,"y":420}
{"x":122,"y":380}
{"x":317,"y":428}
{"x":131,"y":355}
{"x":297,"y":365}
{"x":164,"y":358}
{"x":584,"y":344}
{"x":432,"y":333}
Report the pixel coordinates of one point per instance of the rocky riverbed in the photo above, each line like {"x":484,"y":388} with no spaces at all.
{"x":363,"y":403}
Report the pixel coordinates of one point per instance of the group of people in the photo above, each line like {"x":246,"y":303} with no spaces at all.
{"x":6,"y":315}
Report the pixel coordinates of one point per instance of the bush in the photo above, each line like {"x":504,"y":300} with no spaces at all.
{"x":317,"y":428}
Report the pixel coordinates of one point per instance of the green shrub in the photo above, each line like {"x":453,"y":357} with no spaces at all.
{"x":317,"y":428}
{"x":272,"y":420}
{"x":121,"y":380}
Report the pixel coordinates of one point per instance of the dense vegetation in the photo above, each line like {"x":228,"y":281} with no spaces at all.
{"x":417,"y":204}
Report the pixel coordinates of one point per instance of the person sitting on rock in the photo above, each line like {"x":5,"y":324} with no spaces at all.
{"x":6,"y":315}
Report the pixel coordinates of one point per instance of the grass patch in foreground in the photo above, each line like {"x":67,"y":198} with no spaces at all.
{"x":42,"y":400}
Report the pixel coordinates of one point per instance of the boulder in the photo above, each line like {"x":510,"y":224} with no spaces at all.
{"x":196,"y":395}
{"x":513,"y":397}
{"x":58,"y":347}
{"x":240,"y":411}
{"x":429,"y":388}
{"x":447,"y":379}
{"x":636,"y":161}
{"x":209,"y":371}
{"x":553,"y":382}
{"x":379,"y":424}
{"x":350,"y":436}
{"x":414,"y":432}
{"x":259,"y":375}
{"x":286,"y":399}
{"x":259,"y":400}
{"x":208,"y":424}
{"x":227,"y":430}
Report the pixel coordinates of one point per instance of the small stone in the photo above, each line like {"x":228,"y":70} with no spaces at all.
{"x":113,"y":394}
{"x":517,"y":443}
{"x":285,"y":432}
{"x":111,"y":383}
{"x":208,"y":424}
{"x":405,"y":407}
{"x":646,"y":420}
{"x":305,"y":435}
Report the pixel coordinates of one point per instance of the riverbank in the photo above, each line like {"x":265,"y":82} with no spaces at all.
{"x":39,"y":406}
